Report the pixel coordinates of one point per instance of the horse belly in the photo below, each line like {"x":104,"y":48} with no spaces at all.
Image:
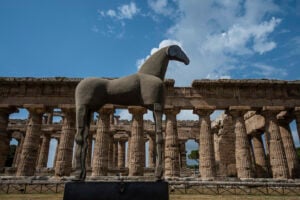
{"x":124,"y":92}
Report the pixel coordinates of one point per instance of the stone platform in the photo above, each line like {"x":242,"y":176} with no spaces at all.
{"x":116,"y":191}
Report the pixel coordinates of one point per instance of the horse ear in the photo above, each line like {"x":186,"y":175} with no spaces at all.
{"x":173,"y":50}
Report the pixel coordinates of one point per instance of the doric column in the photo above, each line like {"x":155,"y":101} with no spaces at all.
{"x":182,"y":154}
{"x":89,"y":151}
{"x":297,"y":117}
{"x":171,"y":143}
{"x":206,"y":150}
{"x":128,"y":150}
{"x":5,"y":110}
{"x":242,"y":146}
{"x":259,"y":156}
{"x":100,"y":158}
{"x":289,"y":147}
{"x":14,"y":164}
{"x":137,"y":144}
{"x":151,"y":152}
{"x":29,"y":153}
{"x":56,"y":152}
{"x":121,"y":154}
{"x":63,"y":165}
{"x":115,"y":154}
{"x":277,"y":156}
{"x":44,"y":151}
{"x":110,"y":148}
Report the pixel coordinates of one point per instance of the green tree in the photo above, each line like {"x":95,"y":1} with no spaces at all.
{"x":194,"y":155}
{"x":298,"y":152}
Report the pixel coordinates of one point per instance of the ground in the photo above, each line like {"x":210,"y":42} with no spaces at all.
{"x":172,"y":197}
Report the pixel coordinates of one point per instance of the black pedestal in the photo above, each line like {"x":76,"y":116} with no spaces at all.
{"x":116,"y":191}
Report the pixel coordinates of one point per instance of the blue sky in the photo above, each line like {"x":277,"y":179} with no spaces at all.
{"x":224,"y":39}
{"x":83,"y":38}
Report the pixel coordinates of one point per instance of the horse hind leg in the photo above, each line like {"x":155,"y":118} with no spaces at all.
{"x":82,"y":124}
{"x":157,"y":112}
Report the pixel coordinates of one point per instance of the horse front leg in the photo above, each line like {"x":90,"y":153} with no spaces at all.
{"x":158,"y":112}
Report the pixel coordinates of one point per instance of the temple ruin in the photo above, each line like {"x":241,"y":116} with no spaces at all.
{"x":251,"y":139}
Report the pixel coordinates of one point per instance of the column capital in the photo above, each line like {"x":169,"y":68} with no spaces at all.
{"x":204,"y":110}
{"x":171,"y":110}
{"x":137,"y":110}
{"x":67,"y":107}
{"x":238,"y":111}
{"x":296,"y":112}
{"x":8,"y":109}
{"x":35,"y":108}
{"x":107,"y":109}
{"x":271,"y":111}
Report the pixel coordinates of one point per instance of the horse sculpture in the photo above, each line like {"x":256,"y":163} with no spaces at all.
{"x":145,"y":88}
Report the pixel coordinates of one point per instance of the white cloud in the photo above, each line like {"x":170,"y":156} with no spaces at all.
{"x":268,"y":71}
{"x":162,"y":44}
{"x":95,"y":29}
{"x":126,"y":11}
{"x":161,"y":7}
{"x":217,"y":35}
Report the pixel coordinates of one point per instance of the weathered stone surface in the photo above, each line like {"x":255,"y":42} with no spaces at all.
{"x":100,"y":158}
{"x":44,"y":151}
{"x":206,"y":150}
{"x":30,"y":148}
{"x":289,"y":148}
{"x":63,"y":164}
{"x":121,"y":154}
{"x":171,"y":144}
{"x":242,"y":146}
{"x":4,"y":135}
{"x":277,"y":156}
{"x":137,"y":144}
{"x":259,"y":155}
{"x":255,"y":94}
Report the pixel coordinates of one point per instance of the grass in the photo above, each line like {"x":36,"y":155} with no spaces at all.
{"x":172,"y":197}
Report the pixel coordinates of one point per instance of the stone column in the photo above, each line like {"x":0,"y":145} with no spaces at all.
{"x":29,"y":153}
{"x":128,"y":150}
{"x":297,"y":117}
{"x":44,"y":151}
{"x":89,"y":151}
{"x":206,"y":150}
{"x":56,"y":152}
{"x":17,"y":153}
{"x":242,"y":146}
{"x":289,"y":147}
{"x":100,"y":158}
{"x":151,"y":152}
{"x":5,"y":110}
{"x":63,"y":165}
{"x":171,"y":143}
{"x":137,"y":144}
{"x":110,"y":149}
{"x":121,"y":154}
{"x":259,"y":156}
{"x":115,"y":154}
{"x":277,"y":156}
{"x":182,"y":154}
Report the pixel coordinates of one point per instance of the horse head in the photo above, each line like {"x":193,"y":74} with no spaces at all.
{"x":175,"y":53}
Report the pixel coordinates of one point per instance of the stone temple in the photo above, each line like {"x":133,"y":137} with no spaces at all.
{"x":251,"y":139}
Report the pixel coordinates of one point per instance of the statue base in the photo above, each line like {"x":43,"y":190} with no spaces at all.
{"x":116,"y":191}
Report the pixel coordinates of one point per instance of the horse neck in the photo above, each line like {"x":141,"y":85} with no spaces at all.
{"x":156,"y":65}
